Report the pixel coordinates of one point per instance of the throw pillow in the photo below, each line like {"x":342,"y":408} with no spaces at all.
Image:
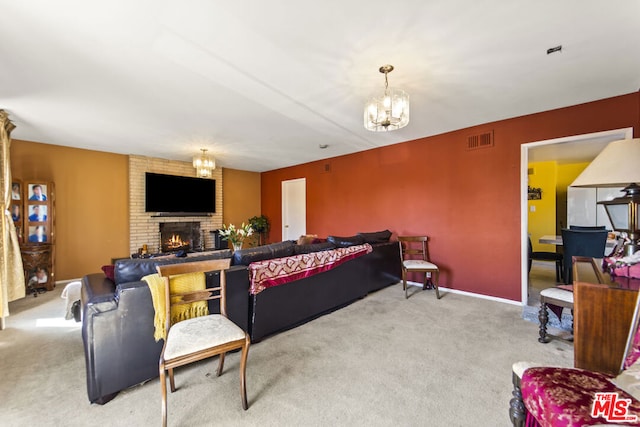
{"x":376,"y":237}
{"x":343,"y":242}
{"x":306,"y":239}
{"x":109,"y":271}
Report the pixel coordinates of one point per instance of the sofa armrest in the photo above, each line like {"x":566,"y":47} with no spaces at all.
{"x":385,"y":266}
{"x":238,"y":296}
{"x":117,"y":333}
{"x":96,"y":288}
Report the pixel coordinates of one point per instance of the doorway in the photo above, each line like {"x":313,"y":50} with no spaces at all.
{"x":294,"y":208}
{"x":587,"y":146}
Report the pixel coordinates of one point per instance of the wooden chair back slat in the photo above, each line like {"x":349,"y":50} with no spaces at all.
{"x":217,"y":293}
{"x":409,"y":246}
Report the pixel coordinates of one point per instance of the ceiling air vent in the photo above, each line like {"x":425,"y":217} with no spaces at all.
{"x":481,"y":140}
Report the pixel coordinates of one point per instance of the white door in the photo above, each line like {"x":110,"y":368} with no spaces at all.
{"x":294,"y":208}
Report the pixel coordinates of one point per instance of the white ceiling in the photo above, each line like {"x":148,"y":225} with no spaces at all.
{"x":581,"y":151}
{"x":263,"y":84}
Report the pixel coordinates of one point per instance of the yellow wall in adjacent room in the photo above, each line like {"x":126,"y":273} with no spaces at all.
{"x":551,"y":211}
{"x":92,"y":221}
{"x":542,"y":220}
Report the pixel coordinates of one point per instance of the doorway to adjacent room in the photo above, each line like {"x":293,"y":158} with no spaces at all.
{"x":294,"y":208}
{"x":577,"y":148}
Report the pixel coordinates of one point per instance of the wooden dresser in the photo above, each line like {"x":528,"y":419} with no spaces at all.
{"x":602,"y":317}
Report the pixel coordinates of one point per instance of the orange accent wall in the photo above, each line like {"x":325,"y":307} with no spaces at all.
{"x":467,"y":201}
{"x":241,"y":191}
{"x":92,"y":220}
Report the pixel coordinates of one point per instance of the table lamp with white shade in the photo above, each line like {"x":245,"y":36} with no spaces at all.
{"x":616,"y":166}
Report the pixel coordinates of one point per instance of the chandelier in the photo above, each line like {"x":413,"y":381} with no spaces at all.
{"x":204,"y":164}
{"x":389,"y":111}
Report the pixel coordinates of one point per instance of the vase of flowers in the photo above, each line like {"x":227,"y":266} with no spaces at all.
{"x":236,"y":235}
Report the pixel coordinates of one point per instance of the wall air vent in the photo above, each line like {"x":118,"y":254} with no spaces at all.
{"x":481,"y":140}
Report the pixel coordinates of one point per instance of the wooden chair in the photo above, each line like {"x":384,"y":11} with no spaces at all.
{"x":201,"y":337}
{"x":547,"y":256}
{"x":585,"y":269}
{"x":552,"y":296}
{"x":414,"y":251}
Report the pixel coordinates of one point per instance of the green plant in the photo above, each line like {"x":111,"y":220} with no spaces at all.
{"x":259,"y":224}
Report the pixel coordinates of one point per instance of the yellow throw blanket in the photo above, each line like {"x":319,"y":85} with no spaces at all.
{"x":179,"y":283}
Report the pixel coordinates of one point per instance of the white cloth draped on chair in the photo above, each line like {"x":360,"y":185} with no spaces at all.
{"x":11,"y":273}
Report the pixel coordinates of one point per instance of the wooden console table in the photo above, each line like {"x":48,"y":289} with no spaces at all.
{"x":602,"y":317}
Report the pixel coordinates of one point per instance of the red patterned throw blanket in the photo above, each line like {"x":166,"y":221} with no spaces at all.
{"x":278,"y":271}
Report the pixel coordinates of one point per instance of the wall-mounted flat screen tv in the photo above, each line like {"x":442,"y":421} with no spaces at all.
{"x":167,"y":194}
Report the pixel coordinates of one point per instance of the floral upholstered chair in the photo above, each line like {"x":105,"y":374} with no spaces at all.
{"x":554,"y":396}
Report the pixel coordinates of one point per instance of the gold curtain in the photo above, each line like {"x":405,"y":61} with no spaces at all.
{"x":12,"y":284}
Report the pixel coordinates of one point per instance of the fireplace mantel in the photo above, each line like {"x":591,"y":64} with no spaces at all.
{"x":179,"y":214}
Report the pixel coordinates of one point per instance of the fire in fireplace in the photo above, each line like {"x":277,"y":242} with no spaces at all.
{"x":176,"y":236}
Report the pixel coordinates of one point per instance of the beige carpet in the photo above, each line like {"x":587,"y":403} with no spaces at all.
{"x":382,"y":361}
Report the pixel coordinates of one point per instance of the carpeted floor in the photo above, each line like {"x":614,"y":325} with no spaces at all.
{"x":382,"y":361}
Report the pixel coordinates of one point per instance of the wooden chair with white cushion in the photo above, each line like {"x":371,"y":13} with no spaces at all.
{"x":585,"y":269}
{"x":414,"y":252}
{"x":552,"y":296}
{"x":198,"y":338}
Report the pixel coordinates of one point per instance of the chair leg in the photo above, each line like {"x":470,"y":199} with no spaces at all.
{"x":571,"y":339}
{"x":163,"y":384}
{"x":435,"y":283}
{"x":243,"y":374}
{"x":220,"y":363}
{"x":559,"y":272}
{"x":404,"y":283}
{"x":171,"y":381}
{"x":543,"y":317}
{"x":517,"y":410}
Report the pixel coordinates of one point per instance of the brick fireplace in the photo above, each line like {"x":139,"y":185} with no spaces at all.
{"x":175,"y":236}
{"x":144,"y":228}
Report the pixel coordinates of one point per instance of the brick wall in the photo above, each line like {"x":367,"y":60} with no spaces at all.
{"x":143,"y":228}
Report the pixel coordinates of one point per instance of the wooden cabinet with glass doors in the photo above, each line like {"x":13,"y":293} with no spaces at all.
{"x":33,"y":213}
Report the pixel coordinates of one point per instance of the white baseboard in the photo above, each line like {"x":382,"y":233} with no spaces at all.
{"x":470,"y":294}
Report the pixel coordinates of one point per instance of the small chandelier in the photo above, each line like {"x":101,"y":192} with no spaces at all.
{"x":388,"y":112}
{"x":204,"y":164}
